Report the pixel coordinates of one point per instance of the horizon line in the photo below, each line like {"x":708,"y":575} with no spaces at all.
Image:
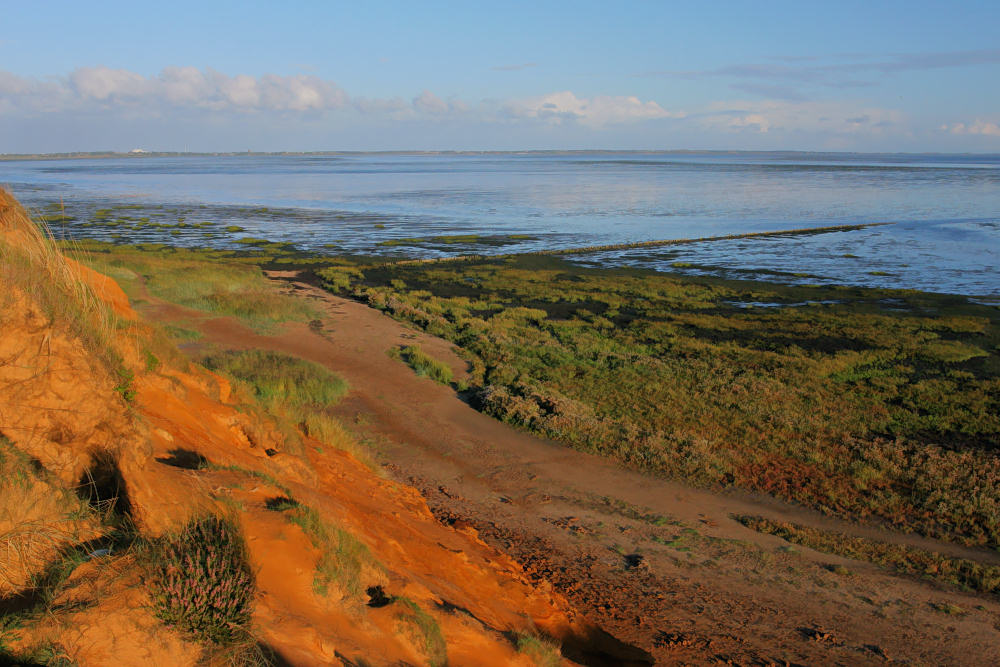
{"x":141,"y":153}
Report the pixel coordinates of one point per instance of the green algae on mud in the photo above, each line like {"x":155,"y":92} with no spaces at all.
{"x":859,"y":402}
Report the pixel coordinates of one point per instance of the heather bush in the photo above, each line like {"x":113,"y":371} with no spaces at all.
{"x":204,"y":584}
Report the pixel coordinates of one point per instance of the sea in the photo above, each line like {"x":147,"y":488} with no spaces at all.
{"x":943,"y":211}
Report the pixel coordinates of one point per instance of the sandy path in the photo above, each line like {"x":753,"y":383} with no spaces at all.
{"x":692,"y":586}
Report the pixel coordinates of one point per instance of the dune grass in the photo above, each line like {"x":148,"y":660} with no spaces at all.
{"x":862,"y":403}
{"x":297,"y":392}
{"x":343,"y":558}
{"x":543,"y":652}
{"x":39,"y":520}
{"x":422,"y":629}
{"x":423,"y":364}
{"x":32,"y":263}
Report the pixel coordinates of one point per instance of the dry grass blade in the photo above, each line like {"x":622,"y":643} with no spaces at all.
{"x":31,"y":263}
{"x":24,"y":549}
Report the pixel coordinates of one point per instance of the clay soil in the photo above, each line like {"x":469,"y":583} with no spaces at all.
{"x":661,"y":567}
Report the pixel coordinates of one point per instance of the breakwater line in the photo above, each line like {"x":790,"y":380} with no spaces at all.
{"x":586,"y":250}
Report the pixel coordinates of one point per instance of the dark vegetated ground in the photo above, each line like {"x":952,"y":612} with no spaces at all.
{"x":876,"y":403}
{"x":959,"y":572}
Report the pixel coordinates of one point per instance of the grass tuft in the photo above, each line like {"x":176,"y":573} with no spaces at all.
{"x":544,"y":652}
{"x":422,"y":627}
{"x":425,"y":365}
{"x":342,"y":556}
{"x":32,"y":263}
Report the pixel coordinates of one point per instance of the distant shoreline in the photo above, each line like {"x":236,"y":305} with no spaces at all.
{"x":98,"y":155}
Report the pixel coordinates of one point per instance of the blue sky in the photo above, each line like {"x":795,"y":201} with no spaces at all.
{"x":877,"y":76}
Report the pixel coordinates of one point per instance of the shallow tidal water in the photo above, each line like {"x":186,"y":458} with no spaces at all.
{"x":944,"y":209}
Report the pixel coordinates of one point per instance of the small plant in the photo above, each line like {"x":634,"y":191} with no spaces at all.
{"x":204,"y":584}
{"x":949,"y":609}
{"x":124,"y":386}
{"x":544,"y":652}
{"x":342,"y":555}
{"x":422,"y":627}
{"x":152,"y":361}
{"x":424,"y":365}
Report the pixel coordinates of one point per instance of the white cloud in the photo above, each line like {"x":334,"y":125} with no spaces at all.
{"x":981,"y":127}
{"x":184,"y":85}
{"x":104,"y":88}
{"x":784,"y":115}
{"x":104,"y":83}
{"x":594,"y":111}
{"x":20,"y":93}
{"x":174,"y":86}
{"x":428,"y":102}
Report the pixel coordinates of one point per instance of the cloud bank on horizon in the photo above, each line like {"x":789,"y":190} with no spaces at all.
{"x":888,"y":77}
{"x":107,"y":95}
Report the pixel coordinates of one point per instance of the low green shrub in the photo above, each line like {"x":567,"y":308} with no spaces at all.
{"x":279,"y":380}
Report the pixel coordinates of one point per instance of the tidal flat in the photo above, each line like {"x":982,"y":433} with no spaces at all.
{"x":941,"y":233}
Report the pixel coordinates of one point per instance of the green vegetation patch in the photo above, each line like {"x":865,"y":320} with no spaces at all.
{"x":280,"y":380}
{"x":213,"y":282}
{"x":298,"y":393}
{"x":181,"y":334}
{"x":861,"y":403}
{"x":542,"y":651}
{"x":961,"y":572}
{"x":424,"y":365}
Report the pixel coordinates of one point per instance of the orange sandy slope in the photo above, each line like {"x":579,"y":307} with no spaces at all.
{"x":59,"y":404}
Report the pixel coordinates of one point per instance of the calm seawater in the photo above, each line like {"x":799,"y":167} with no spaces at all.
{"x":945,"y":208}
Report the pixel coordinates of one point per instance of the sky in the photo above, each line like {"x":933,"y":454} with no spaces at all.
{"x":869,"y":76}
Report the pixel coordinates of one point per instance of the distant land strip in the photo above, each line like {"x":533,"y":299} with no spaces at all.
{"x":586,"y":250}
